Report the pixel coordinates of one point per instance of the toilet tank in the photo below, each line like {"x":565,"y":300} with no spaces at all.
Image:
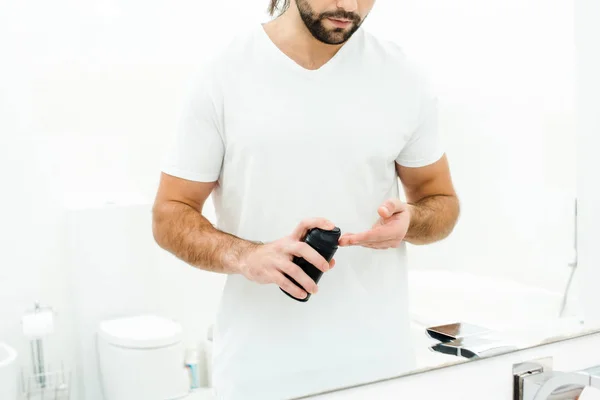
{"x":142,"y":357}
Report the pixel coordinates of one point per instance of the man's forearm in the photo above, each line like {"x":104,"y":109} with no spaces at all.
{"x":432,"y":219}
{"x":184,"y":232}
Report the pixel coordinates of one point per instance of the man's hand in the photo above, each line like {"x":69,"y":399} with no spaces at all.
{"x":267,"y":263}
{"x":388,"y":232}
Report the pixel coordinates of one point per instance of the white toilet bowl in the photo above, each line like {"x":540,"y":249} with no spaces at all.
{"x":9,"y":376}
{"x":142,"y":357}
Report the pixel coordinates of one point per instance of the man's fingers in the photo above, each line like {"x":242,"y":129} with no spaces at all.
{"x":310,"y":223}
{"x":303,"y":250}
{"x":287,"y":285}
{"x":344,"y":240}
{"x":390,"y":244}
{"x":377,"y":234}
{"x":387,"y":244}
{"x":384,"y":212}
{"x":297,"y":274}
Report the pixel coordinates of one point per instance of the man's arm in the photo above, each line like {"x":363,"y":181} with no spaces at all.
{"x":432,"y":201}
{"x":429,"y":216}
{"x":180,"y":228}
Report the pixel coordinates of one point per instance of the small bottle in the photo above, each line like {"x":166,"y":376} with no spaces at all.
{"x":326,"y":244}
{"x":204,"y":364}
{"x":191,"y":363}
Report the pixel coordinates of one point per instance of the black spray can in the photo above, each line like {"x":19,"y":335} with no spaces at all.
{"x":325,"y":242}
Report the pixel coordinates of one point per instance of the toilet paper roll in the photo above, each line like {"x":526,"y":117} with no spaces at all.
{"x":38,"y":325}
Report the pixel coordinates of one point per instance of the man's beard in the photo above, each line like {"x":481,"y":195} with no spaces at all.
{"x":314,"y":23}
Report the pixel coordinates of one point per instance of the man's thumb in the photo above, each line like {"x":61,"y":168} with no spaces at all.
{"x":390,"y":207}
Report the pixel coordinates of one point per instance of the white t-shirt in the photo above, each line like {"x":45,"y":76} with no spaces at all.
{"x":286,"y":143}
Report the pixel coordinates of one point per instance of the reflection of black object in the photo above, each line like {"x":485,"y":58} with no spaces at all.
{"x":474,"y":347}
{"x":466,"y":340}
{"x":326,"y":244}
{"x":450,"y":332}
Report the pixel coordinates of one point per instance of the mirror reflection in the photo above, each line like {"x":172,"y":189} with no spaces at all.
{"x":273,"y":199}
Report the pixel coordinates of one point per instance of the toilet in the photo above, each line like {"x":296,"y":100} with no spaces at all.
{"x":142,"y":357}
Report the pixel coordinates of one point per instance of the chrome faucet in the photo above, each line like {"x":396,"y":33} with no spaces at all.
{"x":537,"y":381}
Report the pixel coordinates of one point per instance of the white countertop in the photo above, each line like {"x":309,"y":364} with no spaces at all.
{"x":200,"y":394}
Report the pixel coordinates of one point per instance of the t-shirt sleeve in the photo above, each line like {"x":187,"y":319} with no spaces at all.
{"x":196,"y":151}
{"x":424,"y":146}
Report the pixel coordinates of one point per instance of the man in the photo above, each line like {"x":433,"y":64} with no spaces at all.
{"x":307,"y":121}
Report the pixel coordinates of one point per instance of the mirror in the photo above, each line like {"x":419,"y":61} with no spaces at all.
{"x":95,"y":102}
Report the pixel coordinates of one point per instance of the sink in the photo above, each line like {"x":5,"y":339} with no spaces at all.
{"x":440,"y":296}
{"x":9,"y":380}
{"x":524,"y":314}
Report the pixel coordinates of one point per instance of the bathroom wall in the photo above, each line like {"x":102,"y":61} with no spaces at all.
{"x":588,"y":126}
{"x":31,"y":240}
{"x":505,"y":74}
{"x":89,"y":92}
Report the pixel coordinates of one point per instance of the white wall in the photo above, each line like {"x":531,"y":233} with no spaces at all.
{"x":89,"y":93}
{"x":505,"y":74}
{"x":588,"y":128}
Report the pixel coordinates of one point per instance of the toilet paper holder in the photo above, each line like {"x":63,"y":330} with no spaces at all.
{"x":56,"y":385}
{"x":43,"y":383}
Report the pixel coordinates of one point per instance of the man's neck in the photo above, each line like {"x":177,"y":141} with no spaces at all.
{"x":289,"y":33}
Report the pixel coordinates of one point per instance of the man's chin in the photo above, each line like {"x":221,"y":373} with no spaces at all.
{"x":339,"y":38}
{"x":333,"y":41}
{"x":335,"y":36}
